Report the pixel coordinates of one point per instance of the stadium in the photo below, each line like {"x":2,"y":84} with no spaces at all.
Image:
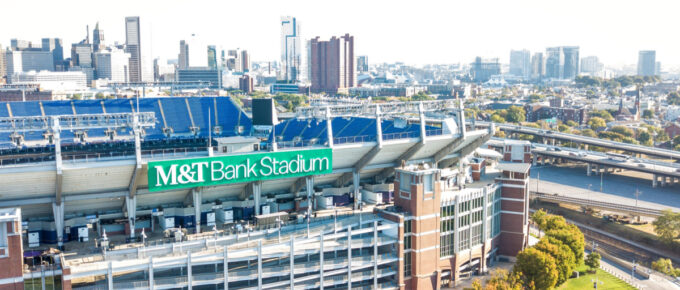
{"x":183,"y":192}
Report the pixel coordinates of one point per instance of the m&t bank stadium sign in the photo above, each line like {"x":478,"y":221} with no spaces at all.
{"x":209,"y":171}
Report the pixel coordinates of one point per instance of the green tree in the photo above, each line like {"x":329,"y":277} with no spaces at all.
{"x":664,"y":266}
{"x":623,"y":130}
{"x":563,"y":128}
{"x":667,"y":226}
{"x":604,"y":114}
{"x":516,"y":114}
{"x":588,"y":133}
{"x":571,"y":123}
{"x":572,"y":237}
{"x":596,"y":123}
{"x":497,"y":118}
{"x":538,"y":217}
{"x":564,"y":258}
{"x":645,"y":138}
{"x":536,"y":269}
{"x":673,"y":98}
{"x":421,"y":96}
{"x":593,"y":260}
{"x":99,"y":96}
{"x":648,"y":113}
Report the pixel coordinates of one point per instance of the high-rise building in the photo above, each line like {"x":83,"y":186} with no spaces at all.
{"x":333,"y":67}
{"x":49,"y":80}
{"x":183,"y":58}
{"x":112,"y":64}
{"x":571,"y":61}
{"x":81,"y":55}
{"x":537,"y":66}
{"x":18,"y":44}
{"x":291,"y":50}
{"x":3,"y":67}
{"x":245,"y":84}
{"x":483,"y":69}
{"x":520,"y":63}
{"x":133,"y":47}
{"x":163,"y":70}
{"x":245,"y":61}
{"x":554,"y":63}
{"x":18,"y":61}
{"x":98,"y":38}
{"x":591,"y":65}
{"x":212,"y":57}
{"x":646,"y":63}
{"x":55,"y":45}
{"x":362,"y":63}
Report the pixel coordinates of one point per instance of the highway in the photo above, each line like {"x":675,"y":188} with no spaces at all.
{"x":651,"y":151}
{"x":611,"y":206}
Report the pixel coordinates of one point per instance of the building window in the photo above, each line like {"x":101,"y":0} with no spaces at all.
{"x":407,"y":227}
{"x":427,"y":182}
{"x":405,"y":182}
{"x":407,"y":264}
{"x":407,"y":242}
{"x":3,"y":235}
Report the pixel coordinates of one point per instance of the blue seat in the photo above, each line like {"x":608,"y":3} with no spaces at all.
{"x":176,"y":114}
{"x":24,"y":109}
{"x":53,"y":108}
{"x":88,"y":107}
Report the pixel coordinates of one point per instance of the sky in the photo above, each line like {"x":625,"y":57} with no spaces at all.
{"x":415,"y":32}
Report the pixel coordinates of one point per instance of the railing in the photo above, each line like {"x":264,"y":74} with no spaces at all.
{"x":434,"y":132}
{"x":353,"y":139}
{"x":598,"y":204}
{"x":401,"y":135}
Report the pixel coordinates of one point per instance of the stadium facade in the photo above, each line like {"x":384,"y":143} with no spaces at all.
{"x":127,"y":194}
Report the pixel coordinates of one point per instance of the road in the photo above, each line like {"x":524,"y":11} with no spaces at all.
{"x":571,"y":180}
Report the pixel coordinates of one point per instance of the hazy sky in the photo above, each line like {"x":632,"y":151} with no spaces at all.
{"x":415,"y":32}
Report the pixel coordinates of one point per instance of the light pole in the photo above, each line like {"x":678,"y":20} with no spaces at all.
{"x":278,"y":221}
{"x":335,"y":221}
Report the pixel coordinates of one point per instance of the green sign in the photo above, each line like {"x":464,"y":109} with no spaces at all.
{"x":209,"y":171}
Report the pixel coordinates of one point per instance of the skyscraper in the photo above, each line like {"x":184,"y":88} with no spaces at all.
{"x":97,"y":38}
{"x":483,"y":69}
{"x":554,"y":63}
{"x":212,"y":57}
{"x":520,"y":63}
{"x":571,"y":61}
{"x":133,"y":47}
{"x":183,"y":58}
{"x":3,"y":68}
{"x":537,"y":66}
{"x":591,"y":65}
{"x":291,"y":50}
{"x":245,"y":61}
{"x":333,"y":65}
{"x":646,"y":63}
{"x":112,"y":64}
{"x":55,"y":46}
{"x":362,"y":63}
{"x":18,"y":61}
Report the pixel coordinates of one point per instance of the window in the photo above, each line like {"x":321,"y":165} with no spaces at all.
{"x":407,"y":264}
{"x":3,"y":235}
{"x":427,"y":182}
{"x":405,"y":182}
{"x":407,"y":227}
{"x":407,"y":242}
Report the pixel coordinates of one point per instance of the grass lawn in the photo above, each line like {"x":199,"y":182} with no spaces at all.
{"x":584,"y":281}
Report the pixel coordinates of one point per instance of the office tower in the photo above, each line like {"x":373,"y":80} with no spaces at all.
{"x":212,"y":57}
{"x":3,"y":68}
{"x":163,"y":70}
{"x":133,"y":47}
{"x":291,"y":50}
{"x":483,"y":69}
{"x":571,"y":61}
{"x":183,"y":58}
{"x":362,"y":63}
{"x":520,"y":63}
{"x":48,"y":80}
{"x":554,"y":63}
{"x":18,"y":44}
{"x":646,"y":63}
{"x":112,"y":64}
{"x":97,"y":38}
{"x":591,"y":65}
{"x":245,"y":61}
{"x":245,"y":84}
{"x":537,"y":66}
{"x":333,"y":67}
{"x":657,"y":68}
{"x":18,"y":61}
{"x":55,"y":46}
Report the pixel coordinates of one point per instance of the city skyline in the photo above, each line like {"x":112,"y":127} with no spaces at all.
{"x":602,"y":29}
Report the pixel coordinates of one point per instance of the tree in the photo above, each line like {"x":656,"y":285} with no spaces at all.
{"x":563,"y":128}
{"x":572,"y":237}
{"x":99,"y":96}
{"x":667,"y":226}
{"x":604,"y":114}
{"x":645,"y":138}
{"x":571,"y":123}
{"x":502,"y":280}
{"x":664,"y":266}
{"x":497,"y":118}
{"x":623,"y":130}
{"x":564,"y":258}
{"x":588,"y":133}
{"x":596,"y":123}
{"x":536,"y":268}
{"x":539,"y":217}
{"x":516,"y":114}
{"x":421,"y":96}
{"x":673,"y":98}
{"x":593,"y":261}
{"x":648,"y":114}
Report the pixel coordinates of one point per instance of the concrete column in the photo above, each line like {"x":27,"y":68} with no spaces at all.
{"x":375,"y":254}
{"x":653,"y":180}
{"x":349,"y":257}
{"x":257,"y":192}
{"x":533,"y":159}
{"x":151,"y":286}
{"x":329,"y":127}
{"x":225,"y":271}
{"x":589,"y":170}
{"x":321,"y":260}
{"x":189,"y":274}
{"x":109,"y":275}
{"x":357,"y":192}
{"x":456,"y":236}
{"x":58,"y":211}
{"x":485,"y":220}
{"x":423,"y":132}
{"x":197,"y":195}
{"x":309,"y":183}
{"x":292,"y":262}
{"x":259,"y":264}
{"x":378,"y":129}
{"x":663,"y":181}
{"x":131,"y":207}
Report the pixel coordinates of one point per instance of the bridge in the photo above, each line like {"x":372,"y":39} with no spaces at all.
{"x":609,"y":206}
{"x":578,"y":139}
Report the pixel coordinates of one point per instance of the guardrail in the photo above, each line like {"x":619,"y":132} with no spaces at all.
{"x":598,"y":204}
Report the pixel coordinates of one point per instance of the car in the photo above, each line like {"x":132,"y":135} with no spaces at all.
{"x":573,"y":154}
{"x":550,"y":132}
{"x":558,"y":149}
{"x":642,"y":165}
{"x":582,"y":154}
